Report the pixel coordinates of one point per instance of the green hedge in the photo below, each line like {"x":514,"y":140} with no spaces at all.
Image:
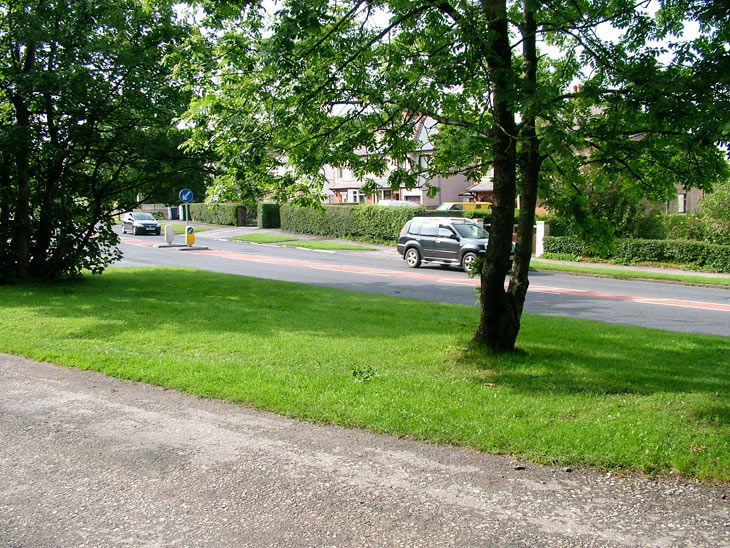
{"x":695,"y":254}
{"x":219,"y":214}
{"x":381,"y":223}
{"x":268,"y":216}
{"x":337,"y":221}
{"x":564,"y":245}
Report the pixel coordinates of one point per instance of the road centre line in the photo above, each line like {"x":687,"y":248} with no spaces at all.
{"x":430,"y":277}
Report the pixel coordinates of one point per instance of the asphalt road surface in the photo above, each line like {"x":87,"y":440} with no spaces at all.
{"x":88,"y":460}
{"x":641,"y":303}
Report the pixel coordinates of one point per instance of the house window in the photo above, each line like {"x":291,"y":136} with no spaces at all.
{"x":355,"y":196}
{"x":340,"y":173}
{"x":681,"y":203}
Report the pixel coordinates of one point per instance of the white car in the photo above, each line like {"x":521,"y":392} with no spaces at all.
{"x":398,"y":203}
{"x":140,"y":223}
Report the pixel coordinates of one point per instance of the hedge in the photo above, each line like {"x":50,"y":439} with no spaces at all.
{"x":379,"y":223}
{"x":219,"y":214}
{"x":696,"y":254}
{"x":268,"y":216}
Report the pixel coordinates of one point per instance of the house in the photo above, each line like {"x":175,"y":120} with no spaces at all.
{"x":344,"y":188}
{"x":687,"y":201}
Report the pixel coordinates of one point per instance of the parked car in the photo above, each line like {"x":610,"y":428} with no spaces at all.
{"x":442,"y":239}
{"x":138,"y":222}
{"x":405,"y":203}
{"x":463,"y":206}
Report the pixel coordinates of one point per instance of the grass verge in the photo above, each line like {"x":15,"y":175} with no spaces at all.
{"x":180,"y":229}
{"x":577,"y":393}
{"x":627,"y":273}
{"x":263,"y":238}
{"x":327,"y":245}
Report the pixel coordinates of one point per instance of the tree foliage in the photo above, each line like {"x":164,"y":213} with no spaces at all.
{"x":86,"y":109}
{"x":347,"y":83}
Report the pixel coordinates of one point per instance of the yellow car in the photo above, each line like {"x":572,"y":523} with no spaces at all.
{"x":463,"y":206}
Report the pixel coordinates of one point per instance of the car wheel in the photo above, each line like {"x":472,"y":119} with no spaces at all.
{"x":135,"y":231}
{"x":413,"y":257}
{"x":467,"y":261}
{"x":124,"y":229}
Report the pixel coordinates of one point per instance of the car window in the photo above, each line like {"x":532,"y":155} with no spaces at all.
{"x":429,"y":229}
{"x":445,"y":232}
{"x":415,"y":227}
{"x":470,"y":230}
{"x":144,"y":217}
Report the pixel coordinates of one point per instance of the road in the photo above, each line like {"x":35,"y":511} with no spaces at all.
{"x":89,"y":460}
{"x":669,"y":306}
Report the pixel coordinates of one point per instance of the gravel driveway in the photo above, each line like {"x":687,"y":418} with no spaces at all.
{"x":87,"y":460}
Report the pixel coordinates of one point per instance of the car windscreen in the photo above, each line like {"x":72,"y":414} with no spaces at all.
{"x":470,"y":230}
{"x":143,"y":217}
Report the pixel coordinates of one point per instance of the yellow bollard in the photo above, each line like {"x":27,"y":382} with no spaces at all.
{"x":190,"y":235}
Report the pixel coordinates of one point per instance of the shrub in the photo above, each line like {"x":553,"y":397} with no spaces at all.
{"x":716,"y":215}
{"x":651,"y":227}
{"x":335,"y":221}
{"x":683,"y":227}
{"x":215,"y":214}
{"x":268,"y":216}
{"x":699,"y":255}
{"x":381,"y":223}
{"x":565,"y":245}
{"x":365,"y":221}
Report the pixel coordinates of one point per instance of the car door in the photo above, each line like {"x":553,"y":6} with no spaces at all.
{"x":427,"y":239}
{"x":128,"y":223}
{"x":446,"y":245}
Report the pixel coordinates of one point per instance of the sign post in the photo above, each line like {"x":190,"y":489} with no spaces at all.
{"x":186,"y":196}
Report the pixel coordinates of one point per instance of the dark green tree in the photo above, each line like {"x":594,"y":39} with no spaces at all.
{"x":87,"y":105}
{"x":345,"y":83}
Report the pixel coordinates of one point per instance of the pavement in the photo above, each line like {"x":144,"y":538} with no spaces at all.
{"x":89,"y":460}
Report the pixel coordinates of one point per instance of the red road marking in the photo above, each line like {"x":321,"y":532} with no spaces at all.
{"x":427,"y":276}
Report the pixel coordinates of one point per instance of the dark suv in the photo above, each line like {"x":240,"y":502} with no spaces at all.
{"x":441,"y":239}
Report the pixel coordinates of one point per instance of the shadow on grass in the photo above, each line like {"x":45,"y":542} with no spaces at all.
{"x":568,"y":356}
{"x":558,"y":355}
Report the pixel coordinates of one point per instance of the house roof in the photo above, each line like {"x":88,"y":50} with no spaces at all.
{"x":482,"y":186}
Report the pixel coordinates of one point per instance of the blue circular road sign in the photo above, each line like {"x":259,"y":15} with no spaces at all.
{"x":186,"y":195}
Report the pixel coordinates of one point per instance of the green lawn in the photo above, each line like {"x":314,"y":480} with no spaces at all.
{"x":263,"y":238}
{"x":627,"y":273}
{"x":180,"y":229}
{"x":328,"y":245}
{"x":577,"y":393}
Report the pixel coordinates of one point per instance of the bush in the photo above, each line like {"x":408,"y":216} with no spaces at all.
{"x":365,"y":221}
{"x":683,"y":227}
{"x":716,"y":215}
{"x":651,"y":227}
{"x":268,"y":216}
{"x":565,"y":245}
{"x":381,"y":223}
{"x":698,"y":255}
{"x":334,"y":221}
{"x":215,"y":214}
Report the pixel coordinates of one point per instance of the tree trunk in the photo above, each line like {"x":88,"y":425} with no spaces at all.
{"x":499,"y":322}
{"x":502,"y":310}
{"x":21,"y":231}
{"x":530,"y":161}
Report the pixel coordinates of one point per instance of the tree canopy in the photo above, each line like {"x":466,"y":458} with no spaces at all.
{"x":87,"y":111}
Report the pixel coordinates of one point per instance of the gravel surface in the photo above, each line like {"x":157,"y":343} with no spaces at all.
{"x":87,"y":460}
